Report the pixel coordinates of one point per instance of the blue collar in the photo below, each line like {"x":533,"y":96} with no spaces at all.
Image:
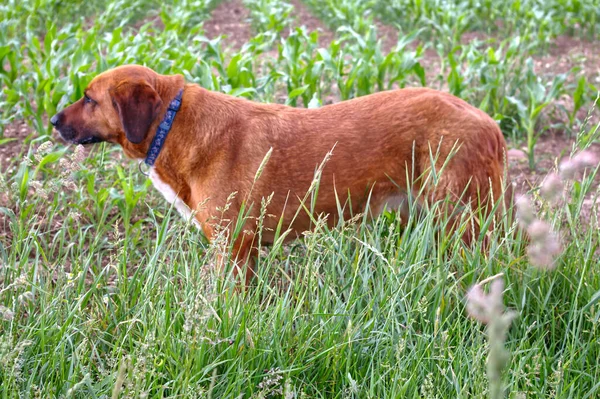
{"x":163,"y":130}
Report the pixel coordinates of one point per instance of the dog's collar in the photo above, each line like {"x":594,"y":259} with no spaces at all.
{"x":163,"y":129}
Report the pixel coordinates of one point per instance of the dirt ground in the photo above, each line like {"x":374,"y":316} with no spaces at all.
{"x":19,"y":131}
{"x":568,"y":52}
{"x":230,"y":18}
{"x":304,"y":17}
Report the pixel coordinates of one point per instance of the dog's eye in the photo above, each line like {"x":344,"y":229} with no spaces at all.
{"x":86,"y":99}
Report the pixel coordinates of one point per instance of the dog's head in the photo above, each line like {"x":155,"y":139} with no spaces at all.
{"x":119,"y":106}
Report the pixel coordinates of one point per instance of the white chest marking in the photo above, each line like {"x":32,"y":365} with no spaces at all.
{"x":172,"y":197}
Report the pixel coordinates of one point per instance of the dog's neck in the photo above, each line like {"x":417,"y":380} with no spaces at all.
{"x":167,"y":89}
{"x":196,"y":139}
{"x":163,"y":129}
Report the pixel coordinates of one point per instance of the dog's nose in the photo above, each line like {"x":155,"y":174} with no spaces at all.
{"x":54,"y":120}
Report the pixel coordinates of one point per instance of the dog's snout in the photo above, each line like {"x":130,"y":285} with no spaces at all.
{"x":66,"y":131}
{"x":55,"y":120}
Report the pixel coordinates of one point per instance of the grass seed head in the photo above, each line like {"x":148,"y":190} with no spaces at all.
{"x":44,"y":149}
{"x":78,"y":155}
{"x":6,"y":314}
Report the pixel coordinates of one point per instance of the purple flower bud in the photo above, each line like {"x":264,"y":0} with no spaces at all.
{"x":525,"y":211}
{"x":579,"y":162}
{"x":552,"y":188}
{"x":542,"y":253}
{"x":538,"y":230}
{"x":478,"y":304}
{"x":585,"y":159}
{"x":552,"y":245}
{"x":567,"y":169}
{"x":539,"y":257}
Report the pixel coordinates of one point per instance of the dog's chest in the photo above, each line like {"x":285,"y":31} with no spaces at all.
{"x":171,"y":196}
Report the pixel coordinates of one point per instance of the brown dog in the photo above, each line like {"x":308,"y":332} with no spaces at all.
{"x":216,"y":144}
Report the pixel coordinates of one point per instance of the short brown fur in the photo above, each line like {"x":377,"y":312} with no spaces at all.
{"x":217,"y":143}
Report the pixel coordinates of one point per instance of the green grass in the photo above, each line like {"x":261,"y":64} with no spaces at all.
{"x":106,"y":292}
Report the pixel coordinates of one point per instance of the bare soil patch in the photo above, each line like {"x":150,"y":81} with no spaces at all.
{"x":568,"y":52}
{"x":387,"y":34}
{"x":154,"y":20}
{"x":304,"y":17}
{"x":19,"y":131}
{"x":230,"y":18}
{"x":549,"y":151}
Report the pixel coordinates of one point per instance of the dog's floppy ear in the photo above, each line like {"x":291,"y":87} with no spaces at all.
{"x":137,"y":104}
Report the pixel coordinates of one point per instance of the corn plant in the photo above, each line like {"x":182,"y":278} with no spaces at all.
{"x":269,"y":15}
{"x":539,"y":20}
{"x":300,"y":66}
{"x":355,"y":14}
{"x":539,"y":97}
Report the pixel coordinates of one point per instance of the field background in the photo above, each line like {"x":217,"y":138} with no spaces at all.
{"x":104,"y":292}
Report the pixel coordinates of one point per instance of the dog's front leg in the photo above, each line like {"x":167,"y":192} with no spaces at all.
{"x":243,"y":255}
